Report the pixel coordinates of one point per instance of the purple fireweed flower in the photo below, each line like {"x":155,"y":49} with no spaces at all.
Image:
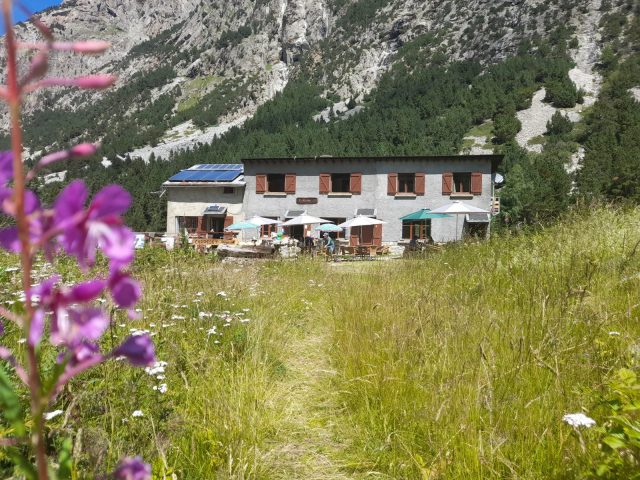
{"x":70,"y":324}
{"x":138,"y":350}
{"x":132,"y":469}
{"x":36,"y":329}
{"x":79,"y":324}
{"x":100,"y":226}
{"x":6,"y":167}
{"x":9,"y":236}
{"x":124,"y":289}
{"x":83,"y":352}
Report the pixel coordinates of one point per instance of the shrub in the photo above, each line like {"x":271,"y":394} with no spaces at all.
{"x":505,"y":127}
{"x":559,"y":124}
{"x":562,"y":93}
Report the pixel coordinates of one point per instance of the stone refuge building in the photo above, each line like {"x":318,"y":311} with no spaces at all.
{"x":203,"y":199}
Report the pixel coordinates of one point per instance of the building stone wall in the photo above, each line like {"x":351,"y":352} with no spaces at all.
{"x":374,"y":190}
{"x":192,"y":201}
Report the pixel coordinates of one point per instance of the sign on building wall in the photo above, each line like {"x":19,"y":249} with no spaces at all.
{"x":306,"y":200}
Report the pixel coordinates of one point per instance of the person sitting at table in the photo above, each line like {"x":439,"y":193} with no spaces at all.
{"x":329,"y":244}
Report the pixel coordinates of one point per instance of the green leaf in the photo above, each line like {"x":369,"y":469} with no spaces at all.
{"x":10,"y":404}
{"x":602,"y":470}
{"x":22,"y":463}
{"x":65,"y":460}
{"x":614,"y":442}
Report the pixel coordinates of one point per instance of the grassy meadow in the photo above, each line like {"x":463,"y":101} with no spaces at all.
{"x":454,"y":366}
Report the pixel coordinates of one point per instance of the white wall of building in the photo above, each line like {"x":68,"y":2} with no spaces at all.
{"x":374,"y":190}
{"x":191,"y":201}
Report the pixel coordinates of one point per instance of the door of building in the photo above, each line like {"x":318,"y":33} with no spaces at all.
{"x":366,"y":235}
{"x":214,"y":226}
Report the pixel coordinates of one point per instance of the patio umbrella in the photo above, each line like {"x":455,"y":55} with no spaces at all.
{"x":329,"y":227}
{"x":424,"y":214}
{"x":241,"y":226}
{"x":361,"y":221}
{"x":262,"y":221}
{"x":304,"y":219}
{"x":458,"y":208}
{"x":420,"y":218}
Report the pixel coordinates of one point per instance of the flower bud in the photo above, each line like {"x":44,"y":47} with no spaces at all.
{"x":132,"y":469}
{"x":88,"y":47}
{"x":138,"y":350}
{"x":96,"y":82}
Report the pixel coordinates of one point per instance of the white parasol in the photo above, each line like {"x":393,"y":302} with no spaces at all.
{"x":263,"y":221}
{"x":361,"y":221}
{"x":304,"y":219}
{"x":458,"y":208}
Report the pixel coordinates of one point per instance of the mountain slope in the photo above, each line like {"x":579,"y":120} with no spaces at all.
{"x":389,"y":76}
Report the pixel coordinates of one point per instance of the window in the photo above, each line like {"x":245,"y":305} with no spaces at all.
{"x":419,"y":229}
{"x":228,"y":190}
{"x":340,"y":182}
{"x":406,"y":183}
{"x":462,"y":182}
{"x":265,"y":230}
{"x":275,"y":182}
{"x":188,"y":223}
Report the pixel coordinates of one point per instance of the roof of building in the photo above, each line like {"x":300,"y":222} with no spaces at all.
{"x":494,"y":159}
{"x":208,"y":173}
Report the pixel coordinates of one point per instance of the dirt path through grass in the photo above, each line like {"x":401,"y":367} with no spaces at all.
{"x":306,"y":447}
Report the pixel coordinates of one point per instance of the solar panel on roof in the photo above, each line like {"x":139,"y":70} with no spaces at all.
{"x":228,"y":176}
{"x":198,"y":173}
{"x":218,"y":166}
{"x":180,"y":177}
{"x":215,"y":209}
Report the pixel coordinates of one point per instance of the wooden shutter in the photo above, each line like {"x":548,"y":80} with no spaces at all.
{"x":377,"y":235}
{"x":447,"y":183}
{"x":476,"y":183}
{"x":261,"y":183}
{"x":325,"y":183}
{"x":200,"y":227}
{"x":392,"y":183}
{"x":355,"y":183}
{"x":419,"y":184}
{"x":290,"y":183}
{"x":228,"y":220}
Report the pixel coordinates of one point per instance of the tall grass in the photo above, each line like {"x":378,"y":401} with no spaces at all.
{"x":459,"y":365}
{"x":462,"y":366}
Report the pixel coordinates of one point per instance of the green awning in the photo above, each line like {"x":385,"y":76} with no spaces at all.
{"x":424,"y":214}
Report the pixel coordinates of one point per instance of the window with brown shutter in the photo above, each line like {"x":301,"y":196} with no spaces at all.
{"x":355,"y":183}
{"x":447,"y":183}
{"x":261,"y":183}
{"x":290,"y":183}
{"x":420,"y":188}
{"x":476,"y":183}
{"x":406,"y":183}
{"x":340,"y":182}
{"x":392,"y":183}
{"x":325,"y":183}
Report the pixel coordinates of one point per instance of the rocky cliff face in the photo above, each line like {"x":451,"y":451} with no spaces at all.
{"x":346,"y":44}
